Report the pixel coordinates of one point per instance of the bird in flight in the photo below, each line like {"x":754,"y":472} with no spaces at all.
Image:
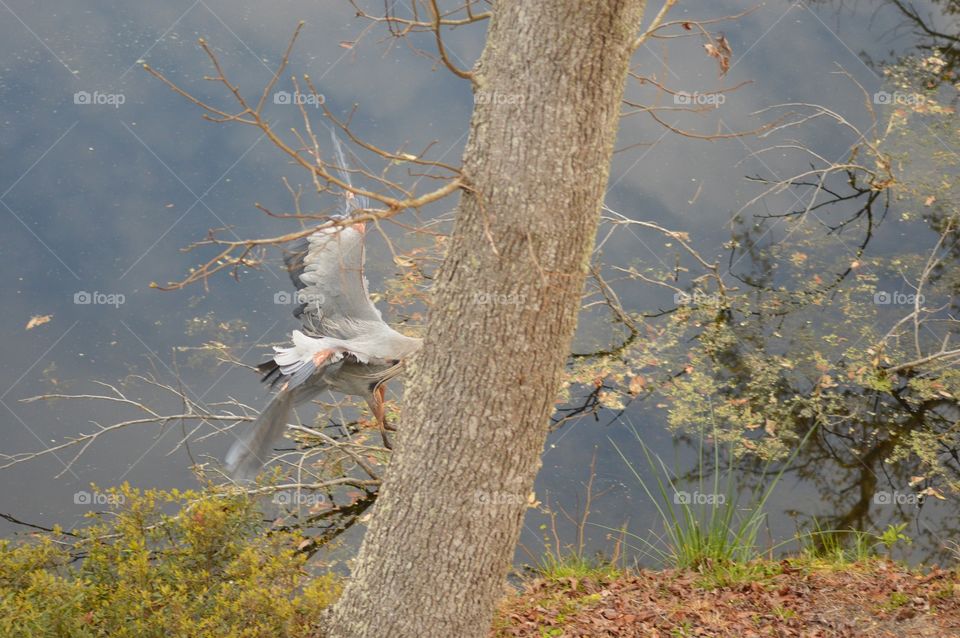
{"x":343,"y":344}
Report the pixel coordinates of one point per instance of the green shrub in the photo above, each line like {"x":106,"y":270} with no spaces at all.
{"x":211,"y":569}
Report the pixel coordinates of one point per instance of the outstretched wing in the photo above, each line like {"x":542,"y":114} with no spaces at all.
{"x":327,"y":269}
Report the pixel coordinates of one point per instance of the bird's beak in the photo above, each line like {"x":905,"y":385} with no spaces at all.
{"x":359,"y":227}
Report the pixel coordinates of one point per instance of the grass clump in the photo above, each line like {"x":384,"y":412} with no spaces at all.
{"x":572,"y":565}
{"x":841,"y":548}
{"x":710,"y":526}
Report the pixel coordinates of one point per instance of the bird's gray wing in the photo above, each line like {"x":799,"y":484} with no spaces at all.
{"x":327,"y":269}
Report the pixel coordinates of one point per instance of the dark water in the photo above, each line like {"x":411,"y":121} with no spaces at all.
{"x":100,"y":198}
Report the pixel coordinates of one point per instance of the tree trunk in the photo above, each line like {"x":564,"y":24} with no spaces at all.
{"x":479,"y":395}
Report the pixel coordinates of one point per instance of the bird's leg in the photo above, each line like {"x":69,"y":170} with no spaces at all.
{"x":377,"y":408}
{"x":386,"y":439}
{"x":382,"y":416}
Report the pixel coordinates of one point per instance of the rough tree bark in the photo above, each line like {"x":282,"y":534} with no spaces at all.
{"x":479,"y":394}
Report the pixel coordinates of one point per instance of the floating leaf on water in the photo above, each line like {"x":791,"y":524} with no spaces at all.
{"x":38,"y":320}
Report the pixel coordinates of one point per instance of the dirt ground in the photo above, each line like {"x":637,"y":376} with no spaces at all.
{"x":879,"y":599}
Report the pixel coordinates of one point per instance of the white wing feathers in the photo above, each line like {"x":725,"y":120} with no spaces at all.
{"x":338,"y":318}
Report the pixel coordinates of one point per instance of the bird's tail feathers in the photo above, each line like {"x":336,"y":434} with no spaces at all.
{"x":250,"y":452}
{"x":271,"y":372}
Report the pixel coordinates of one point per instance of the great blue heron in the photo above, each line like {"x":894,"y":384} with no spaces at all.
{"x":344,"y":344}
